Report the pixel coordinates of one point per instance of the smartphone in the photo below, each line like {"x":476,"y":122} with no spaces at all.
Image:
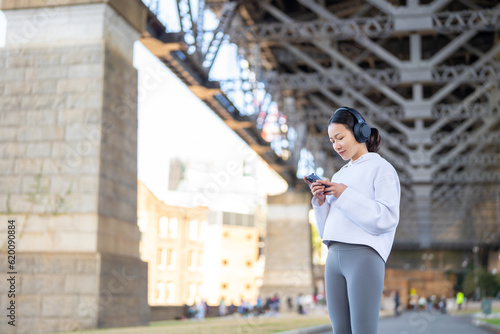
{"x":313,"y":178}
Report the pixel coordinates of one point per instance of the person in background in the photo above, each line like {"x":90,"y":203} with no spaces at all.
{"x":200,"y":310}
{"x":222,"y":307}
{"x":459,"y":299}
{"x":397,"y":302}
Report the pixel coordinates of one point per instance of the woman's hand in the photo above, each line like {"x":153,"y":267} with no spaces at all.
{"x":332,"y":188}
{"x":317,"y":190}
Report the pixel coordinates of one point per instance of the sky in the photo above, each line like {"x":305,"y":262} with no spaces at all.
{"x":174,"y":123}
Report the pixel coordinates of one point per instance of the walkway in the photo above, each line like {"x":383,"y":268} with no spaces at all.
{"x":427,"y":323}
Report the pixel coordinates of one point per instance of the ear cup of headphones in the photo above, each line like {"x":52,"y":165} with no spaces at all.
{"x":362,"y":132}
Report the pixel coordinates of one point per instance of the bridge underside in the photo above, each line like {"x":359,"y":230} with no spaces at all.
{"x":425,"y":73}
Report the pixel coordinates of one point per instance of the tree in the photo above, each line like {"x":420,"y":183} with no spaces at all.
{"x":488,"y":283}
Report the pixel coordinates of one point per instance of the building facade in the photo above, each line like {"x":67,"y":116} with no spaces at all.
{"x":195,"y":254}
{"x":172,"y":242}
{"x":233,"y":270}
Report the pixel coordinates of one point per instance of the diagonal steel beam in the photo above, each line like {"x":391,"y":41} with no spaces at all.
{"x":466,"y":102}
{"x":438,"y":5}
{"x":360,"y":38}
{"x":451,"y":47}
{"x":333,"y":97}
{"x":390,"y":93}
{"x":284,"y":18}
{"x":459,"y":148}
{"x":454,"y":84}
{"x":384,"y":6}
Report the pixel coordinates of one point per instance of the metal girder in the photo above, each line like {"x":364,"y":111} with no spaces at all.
{"x":372,"y":27}
{"x":186,"y":20}
{"x":227,"y":13}
{"x":462,"y":111}
{"x":482,"y":160}
{"x":338,"y":78}
{"x":331,"y":78}
{"x":446,"y":23}
{"x":304,"y":31}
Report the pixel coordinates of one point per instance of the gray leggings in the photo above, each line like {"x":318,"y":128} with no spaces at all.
{"x":354,"y":280}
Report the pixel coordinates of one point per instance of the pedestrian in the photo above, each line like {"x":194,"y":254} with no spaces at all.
{"x":300,"y":304}
{"x":200,"y":310}
{"x":459,"y":299}
{"x":422,"y":302}
{"x":290,"y":304}
{"x":258,"y":305}
{"x":356,"y":216}
{"x":222,"y":307}
{"x":397,"y":301}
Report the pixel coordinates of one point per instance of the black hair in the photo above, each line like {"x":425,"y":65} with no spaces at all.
{"x":343,"y":116}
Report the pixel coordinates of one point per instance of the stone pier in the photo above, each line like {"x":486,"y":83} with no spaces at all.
{"x":288,"y":249}
{"x":68,"y":164}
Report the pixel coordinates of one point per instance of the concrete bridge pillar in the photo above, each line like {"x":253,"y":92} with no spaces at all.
{"x":288,"y":250}
{"x":68,"y":164}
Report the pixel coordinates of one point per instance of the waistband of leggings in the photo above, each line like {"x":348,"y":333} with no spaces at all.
{"x":337,"y":245}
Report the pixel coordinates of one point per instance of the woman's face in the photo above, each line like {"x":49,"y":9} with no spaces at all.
{"x":344,"y":142}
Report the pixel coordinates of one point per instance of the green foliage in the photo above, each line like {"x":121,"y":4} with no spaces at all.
{"x":316,"y":244}
{"x":488,"y":283}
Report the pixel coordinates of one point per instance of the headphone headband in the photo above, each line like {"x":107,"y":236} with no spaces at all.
{"x":354,"y":112}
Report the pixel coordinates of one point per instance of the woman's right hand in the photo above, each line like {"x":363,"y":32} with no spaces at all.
{"x":317,"y":190}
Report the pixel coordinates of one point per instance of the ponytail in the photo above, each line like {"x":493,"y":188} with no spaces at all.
{"x":373,"y":143}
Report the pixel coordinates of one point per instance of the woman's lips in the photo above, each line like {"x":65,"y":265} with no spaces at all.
{"x":341,"y":152}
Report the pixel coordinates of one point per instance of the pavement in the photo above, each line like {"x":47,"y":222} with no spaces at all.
{"x":413,"y":322}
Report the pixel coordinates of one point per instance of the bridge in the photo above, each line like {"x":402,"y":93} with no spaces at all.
{"x":425,"y":73}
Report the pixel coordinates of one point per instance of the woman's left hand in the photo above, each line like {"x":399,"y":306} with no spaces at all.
{"x":332,"y":188}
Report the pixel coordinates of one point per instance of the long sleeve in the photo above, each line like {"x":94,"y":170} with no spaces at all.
{"x":376,"y":216}
{"x":321,"y":213}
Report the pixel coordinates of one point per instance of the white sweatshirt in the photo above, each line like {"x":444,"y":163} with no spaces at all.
{"x":367,"y":212}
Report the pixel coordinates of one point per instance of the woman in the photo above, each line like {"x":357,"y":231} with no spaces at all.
{"x":356,"y":216}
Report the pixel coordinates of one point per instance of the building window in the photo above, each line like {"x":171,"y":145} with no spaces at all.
{"x":163,"y":227}
{"x":193,"y":230}
{"x":170,"y":261}
{"x":203,"y":230}
{"x":170,"y":292}
{"x":191,"y":293}
{"x":160,"y":292}
{"x":172,"y":228}
{"x":198,"y":289}
{"x":191,"y":260}
{"x":161,"y":258}
{"x":199,"y":260}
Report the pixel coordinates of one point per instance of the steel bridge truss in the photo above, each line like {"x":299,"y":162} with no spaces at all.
{"x":425,"y":73}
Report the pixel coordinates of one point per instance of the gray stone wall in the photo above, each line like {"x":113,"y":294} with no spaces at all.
{"x":68,"y":168}
{"x":288,"y":250}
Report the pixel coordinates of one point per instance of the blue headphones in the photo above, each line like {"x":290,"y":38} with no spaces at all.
{"x":361,"y":130}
